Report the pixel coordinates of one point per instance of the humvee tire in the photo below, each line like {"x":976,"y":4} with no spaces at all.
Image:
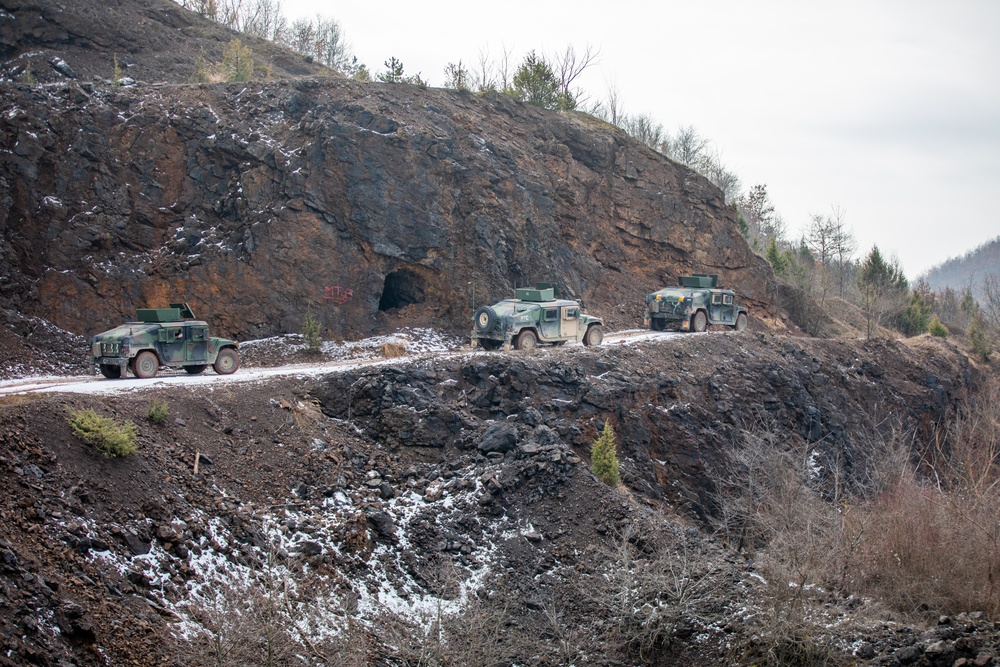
{"x":486,"y":319}
{"x":227,"y":362}
{"x":526,"y":340}
{"x":594,"y":336}
{"x":145,"y":365}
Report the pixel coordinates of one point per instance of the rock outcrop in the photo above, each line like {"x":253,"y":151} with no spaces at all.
{"x":376,"y":205}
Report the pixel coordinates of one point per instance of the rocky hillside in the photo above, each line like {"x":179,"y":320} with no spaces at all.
{"x":152,"y":41}
{"x":353,"y":513}
{"x":373,"y":204}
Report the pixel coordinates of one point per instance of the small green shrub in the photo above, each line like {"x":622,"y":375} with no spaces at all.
{"x":979,"y":338}
{"x":111,"y":438}
{"x":28,"y":77}
{"x":116,"y":74}
{"x":157,"y":412}
{"x":936,"y":328}
{"x":237,"y":62}
{"x":311,"y":331}
{"x":604,"y":459}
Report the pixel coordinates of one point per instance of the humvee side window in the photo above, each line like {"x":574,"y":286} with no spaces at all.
{"x":571,"y":313}
{"x":198,"y":334}
{"x":170,"y":335}
{"x":551,"y":314}
{"x":727,"y":299}
{"x":716,"y":298}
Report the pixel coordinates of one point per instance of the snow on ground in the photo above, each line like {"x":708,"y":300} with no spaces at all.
{"x":302,"y":555}
{"x":288,"y":356}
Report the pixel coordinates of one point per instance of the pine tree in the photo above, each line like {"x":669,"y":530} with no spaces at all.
{"x":604,"y":459}
{"x":535,"y":83}
{"x":979,"y":338}
{"x":311,"y":332}
{"x":237,"y":62}
{"x":394,"y":71}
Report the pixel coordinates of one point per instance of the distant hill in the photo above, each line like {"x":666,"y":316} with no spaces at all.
{"x":969,"y":269}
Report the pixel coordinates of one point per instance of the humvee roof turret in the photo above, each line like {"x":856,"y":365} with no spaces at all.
{"x":693,"y":304}
{"x":162,"y":337}
{"x":533,"y":317}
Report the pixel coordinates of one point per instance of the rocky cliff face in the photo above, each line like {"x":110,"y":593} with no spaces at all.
{"x":375,"y":205}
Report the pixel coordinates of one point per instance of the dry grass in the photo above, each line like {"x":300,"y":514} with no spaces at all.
{"x":916,"y":528}
{"x":393,"y":350}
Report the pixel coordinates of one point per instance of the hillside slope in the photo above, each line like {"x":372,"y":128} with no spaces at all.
{"x":152,"y":41}
{"x":371,"y":502}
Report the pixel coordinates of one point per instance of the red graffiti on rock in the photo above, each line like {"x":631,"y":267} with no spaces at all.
{"x":337,"y":294}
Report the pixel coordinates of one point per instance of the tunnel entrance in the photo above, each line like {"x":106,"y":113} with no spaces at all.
{"x":401,"y":288}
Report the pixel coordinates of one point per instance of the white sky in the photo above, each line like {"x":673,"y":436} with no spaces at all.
{"x":887,"y":109}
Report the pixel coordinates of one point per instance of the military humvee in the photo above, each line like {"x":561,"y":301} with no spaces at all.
{"x":534,"y":317}
{"x":696,"y":302}
{"x":162,"y":337}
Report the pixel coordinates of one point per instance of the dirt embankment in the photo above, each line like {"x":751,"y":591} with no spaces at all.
{"x":394,"y":494}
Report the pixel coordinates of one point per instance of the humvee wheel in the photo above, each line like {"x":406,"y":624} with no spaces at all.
{"x":526,"y":340}
{"x":145,"y":364}
{"x":741,"y":322}
{"x":700,"y":321}
{"x":489,"y":345}
{"x":194,"y":370}
{"x":486,"y":319}
{"x":111,"y":371}
{"x":657,"y":324}
{"x":594,"y":335}
{"x":227,"y":362}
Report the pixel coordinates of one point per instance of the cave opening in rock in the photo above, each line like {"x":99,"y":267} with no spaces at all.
{"x":401,"y":288}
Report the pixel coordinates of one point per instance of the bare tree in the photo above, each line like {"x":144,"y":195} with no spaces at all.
{"x":568,"y":66}
{"x":687,"y":147}
{"x":989,"y":302}
{"x":301,"y":37}
{"x":725,"y":180}
{"x":643,"y":128}
{"x":614,"y":104}
{"x":332,"y":48}
{"x":484,"y":77}
{"x":844,"y":245}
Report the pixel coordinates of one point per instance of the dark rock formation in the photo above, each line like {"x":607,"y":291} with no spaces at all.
{"x":679,"y":406}
{"x":378,"y":205}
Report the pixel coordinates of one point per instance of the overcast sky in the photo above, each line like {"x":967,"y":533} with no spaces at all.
{"x":888,"y":110}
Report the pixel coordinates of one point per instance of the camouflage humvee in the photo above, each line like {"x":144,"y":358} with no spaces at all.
{"x":162,"y":337}
{"x":695,"y":303}
{"x":534,"y":317}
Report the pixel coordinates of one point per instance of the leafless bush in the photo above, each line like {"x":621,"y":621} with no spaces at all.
{"x":916,"y":523}
{"x":648,"y":585}
{"x":269,"y":618}
{"x":483,"y":633}
{"x":933,"y":539}
{"x":780,"y":504}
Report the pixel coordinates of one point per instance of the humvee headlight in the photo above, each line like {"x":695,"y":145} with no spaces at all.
{"x":680,"y":298}
{"x":659,"y":297}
